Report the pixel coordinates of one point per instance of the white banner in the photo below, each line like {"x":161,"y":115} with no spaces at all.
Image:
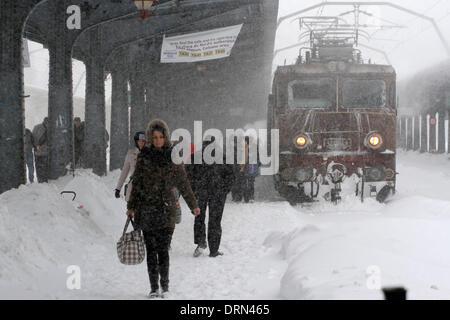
{"x":25,"y":54}
{"x":201,"y":46}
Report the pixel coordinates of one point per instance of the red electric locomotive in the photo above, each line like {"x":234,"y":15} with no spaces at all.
{"x":336,"y":117}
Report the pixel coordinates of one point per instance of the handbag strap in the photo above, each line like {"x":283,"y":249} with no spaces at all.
{"x":129,"y":219}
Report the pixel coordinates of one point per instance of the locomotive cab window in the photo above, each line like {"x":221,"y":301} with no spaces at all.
{"x":357,"y":93}
{"x":393,"y":95}
{"x":315,"y":94}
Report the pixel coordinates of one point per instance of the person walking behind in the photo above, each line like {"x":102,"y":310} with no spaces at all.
{"x":130,"y":165}
{"x":211,"y":183}
{"x":152,"y":201}
{"x":29,"y":157}
{"x":249,"y":172}
{"x":236,"y":189}
{"x":78,"y":131}
{"x":40,"y":141}
{"x":245,"y":173}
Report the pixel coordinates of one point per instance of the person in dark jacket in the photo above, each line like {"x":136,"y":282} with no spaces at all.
{"x":29,"y":157}
{"x":245,"y":174}
{"x":78,"y":130}
{"x":211,"y":183}
{"x":40,"y":140}
{"x":153,"y":202}
{"x":236,"y":189}
{"x":249,"y":172}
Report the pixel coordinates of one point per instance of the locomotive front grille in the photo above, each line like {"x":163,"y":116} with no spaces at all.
{"x":338,"y":144}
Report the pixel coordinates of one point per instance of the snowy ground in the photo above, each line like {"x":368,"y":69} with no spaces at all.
{"x":272,"y":251}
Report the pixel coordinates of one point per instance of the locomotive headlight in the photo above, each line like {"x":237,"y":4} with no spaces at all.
{"x":374,"y":140}
{"x":301,"y":141}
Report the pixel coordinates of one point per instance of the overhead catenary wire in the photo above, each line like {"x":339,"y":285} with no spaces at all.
{"x":417,"y":34}
{"x":416,"y":18}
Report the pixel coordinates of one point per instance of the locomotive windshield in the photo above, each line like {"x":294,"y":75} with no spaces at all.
{"x":318,"y":93}
{"x":357,"y":93}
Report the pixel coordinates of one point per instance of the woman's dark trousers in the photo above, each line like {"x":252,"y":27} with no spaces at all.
{"x":157,"y":244}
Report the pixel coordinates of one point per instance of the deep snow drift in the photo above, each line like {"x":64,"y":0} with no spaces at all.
{"x":272,"y":250}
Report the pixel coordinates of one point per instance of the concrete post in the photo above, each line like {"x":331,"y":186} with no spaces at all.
{"x":60,"y":102}
{"x":137,"y":116}
{"x":149,"y":93}
{"x":119,"y":120}
{"x":12,"y":113}
{"x":95,"y":142}
{"x":155,"y":91}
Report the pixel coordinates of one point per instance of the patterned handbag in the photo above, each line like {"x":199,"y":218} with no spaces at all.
{"x":131,"y":246}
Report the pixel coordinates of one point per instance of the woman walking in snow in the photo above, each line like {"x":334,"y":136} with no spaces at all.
{"x":130,"y":164}
{"x":153,"y":203}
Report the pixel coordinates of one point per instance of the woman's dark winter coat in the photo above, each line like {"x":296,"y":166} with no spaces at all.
{"x":152,"y":198}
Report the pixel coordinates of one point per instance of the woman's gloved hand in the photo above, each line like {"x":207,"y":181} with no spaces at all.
{"x":117,"y":194}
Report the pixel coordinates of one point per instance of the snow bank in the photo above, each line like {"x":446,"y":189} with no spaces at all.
{"x":43,"y":232}
{"x":351,"y":250}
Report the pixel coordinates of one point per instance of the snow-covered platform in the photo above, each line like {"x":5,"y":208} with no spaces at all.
{"x":271,"y":250}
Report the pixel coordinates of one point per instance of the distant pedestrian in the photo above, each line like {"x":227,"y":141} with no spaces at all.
{"x":152,"y":201}
{"x":250,"y":171}
{"x":236,"y":189}
{"x":29,"y":156}
{"x":106,"y":138}
{"x":245,"y":174}
{"x":129,"y":165}
{"x":211,"y":183}
{"x":40,"y":140}
{"x":78,"y":130}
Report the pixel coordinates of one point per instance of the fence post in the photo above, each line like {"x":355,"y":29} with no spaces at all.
{"x":403,"y":133}
{"x":416,"y":121}
{"x":409,"y":133}
{"x":441,"y":132}
{"x":448,"y":132}
{"x":423,"y":133}
{"x":433,"y":124}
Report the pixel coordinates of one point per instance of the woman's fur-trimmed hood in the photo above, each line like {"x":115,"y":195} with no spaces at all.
{"x":158,"y":124}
